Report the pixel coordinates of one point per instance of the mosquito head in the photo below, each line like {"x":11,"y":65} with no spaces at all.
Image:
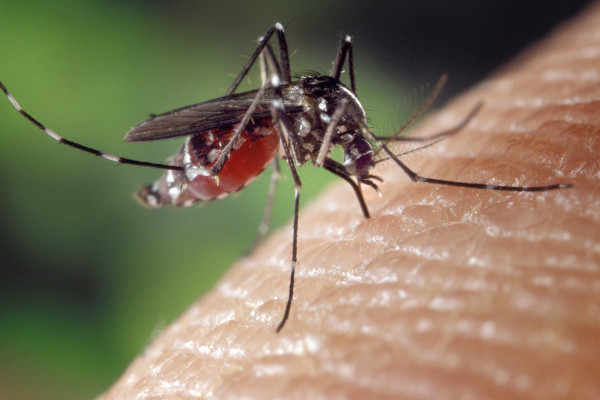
{"x":358,"y":157}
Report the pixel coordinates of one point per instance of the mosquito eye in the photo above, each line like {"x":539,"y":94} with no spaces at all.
{"x":358,"y":158}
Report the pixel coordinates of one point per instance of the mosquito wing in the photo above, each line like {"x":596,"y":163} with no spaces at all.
{"x":198,"y":118}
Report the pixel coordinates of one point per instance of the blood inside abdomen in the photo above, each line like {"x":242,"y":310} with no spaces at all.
{"x":246,"y":162}
{"x":252,"y":153}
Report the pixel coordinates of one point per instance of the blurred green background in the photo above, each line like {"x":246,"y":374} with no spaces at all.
{"x":87,"y":275}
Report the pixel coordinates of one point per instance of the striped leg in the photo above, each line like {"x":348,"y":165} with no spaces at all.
{"x":61,"y":140}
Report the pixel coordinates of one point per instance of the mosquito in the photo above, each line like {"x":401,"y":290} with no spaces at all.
{"x":229,"y":141}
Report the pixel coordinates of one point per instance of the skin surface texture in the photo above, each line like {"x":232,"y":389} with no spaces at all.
{"x":446,"y":292}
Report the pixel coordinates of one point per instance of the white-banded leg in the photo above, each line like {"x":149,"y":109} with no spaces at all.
{"x":331,"y":126}
{"x":287,"y":137}
{"x":61,"y":140}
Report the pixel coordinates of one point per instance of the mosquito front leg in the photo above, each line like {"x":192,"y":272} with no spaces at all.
{"x":218,"y":165}
{"x":278,"y":112}
{"x":331,"y":127}
{"x":338,"y":169}
{"x":287,"y":135}
{"x":291,"y":136}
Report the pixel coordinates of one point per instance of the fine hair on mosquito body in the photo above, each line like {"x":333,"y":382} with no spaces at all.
{"x":229,"y":141}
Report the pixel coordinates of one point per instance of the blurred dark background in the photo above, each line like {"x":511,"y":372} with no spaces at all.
{"x":87,"y":275}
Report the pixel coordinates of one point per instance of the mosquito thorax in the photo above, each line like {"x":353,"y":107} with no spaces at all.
{"x":321,"y":96}
{"x":326,"y":94}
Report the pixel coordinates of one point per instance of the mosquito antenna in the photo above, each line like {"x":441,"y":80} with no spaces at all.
{"x":424,"y":107}
{"x":439,"y":135}
{"x":61,"y":140}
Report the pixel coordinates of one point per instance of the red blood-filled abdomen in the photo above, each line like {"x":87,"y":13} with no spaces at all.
{"x":245,"y":163}
{"x":255,"y":149}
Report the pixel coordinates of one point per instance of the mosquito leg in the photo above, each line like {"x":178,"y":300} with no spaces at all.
{"x":267,"y":57}
{"x":288,"y":304}
{"x":61,"y":140}
{"x":266,"y":219}
{"x":333,"y":123}
{"x":344,"y":50}
{"x":264,"y":74}
{"x":283,"y":58}
{"x":416,"y":149}
{"x":297,"y":187}
{"x":418,"y":178}
{"x":337,"y":169}
{"x":218,"y":165}
{"x":271,"y":61}
{"x":287,"y":133}
{"x":285,"y":79}
{"x":263,"y":42}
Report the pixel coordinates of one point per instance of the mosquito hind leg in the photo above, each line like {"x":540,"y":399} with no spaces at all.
{"x":78,"y":146}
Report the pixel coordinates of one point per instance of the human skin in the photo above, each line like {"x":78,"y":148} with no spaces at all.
{"x":445,"y":292}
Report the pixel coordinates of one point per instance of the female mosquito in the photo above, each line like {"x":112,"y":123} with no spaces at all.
{"x":232,"y":139}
